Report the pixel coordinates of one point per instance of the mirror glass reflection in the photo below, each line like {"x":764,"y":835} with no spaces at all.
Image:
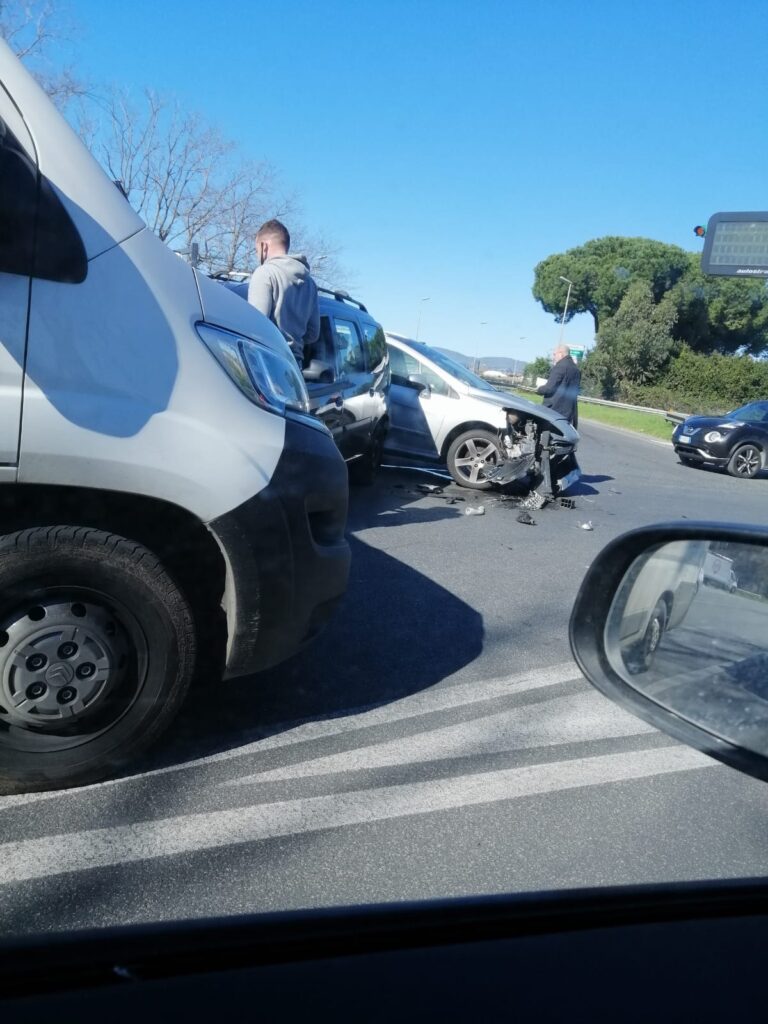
{"x":688,"y":628}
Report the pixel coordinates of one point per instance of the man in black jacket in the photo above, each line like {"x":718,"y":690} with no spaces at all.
{"x":561,"y":391}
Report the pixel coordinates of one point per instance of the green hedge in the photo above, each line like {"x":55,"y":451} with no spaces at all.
{"x":695,"y":383}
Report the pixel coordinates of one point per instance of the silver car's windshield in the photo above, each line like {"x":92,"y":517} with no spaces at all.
{"x":451,"y":366}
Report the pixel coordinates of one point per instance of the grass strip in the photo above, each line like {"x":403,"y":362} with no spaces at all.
{"x":650,"y":423}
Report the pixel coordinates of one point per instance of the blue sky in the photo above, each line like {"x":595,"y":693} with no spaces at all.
{"x":450,"y":146}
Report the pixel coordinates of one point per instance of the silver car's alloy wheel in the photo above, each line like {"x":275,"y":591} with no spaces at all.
{"x":474,"y":458}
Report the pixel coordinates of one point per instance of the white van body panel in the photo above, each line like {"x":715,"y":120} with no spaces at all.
{"x":14,"y":298}
{"x":223,"y":307}
{"x":95,"y":204}
{"x":93,"y":416}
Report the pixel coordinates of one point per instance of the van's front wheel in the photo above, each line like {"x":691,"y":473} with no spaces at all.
{"x":97,"y":650}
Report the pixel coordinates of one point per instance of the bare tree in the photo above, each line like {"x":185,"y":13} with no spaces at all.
{"x":190,"y":184}
{"x":186,"y":180}
{"x":34,"y":29}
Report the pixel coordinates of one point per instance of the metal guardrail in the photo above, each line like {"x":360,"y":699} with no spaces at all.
{"x":673,"y":417}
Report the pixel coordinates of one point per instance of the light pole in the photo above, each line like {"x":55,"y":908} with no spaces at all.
{"x":565,"y":310}
{"x":418,"y":322}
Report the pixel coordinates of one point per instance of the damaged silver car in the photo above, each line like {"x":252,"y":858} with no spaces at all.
{"x":442,"y":413}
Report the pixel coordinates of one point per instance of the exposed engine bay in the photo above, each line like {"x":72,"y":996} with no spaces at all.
{"x":535,"y":454}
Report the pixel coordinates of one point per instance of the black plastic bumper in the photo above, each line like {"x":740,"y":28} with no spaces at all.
{"x":700,"y":454}
{"x":288,"y":559}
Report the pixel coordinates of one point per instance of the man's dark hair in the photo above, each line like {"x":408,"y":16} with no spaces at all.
{"x":278,"y":230}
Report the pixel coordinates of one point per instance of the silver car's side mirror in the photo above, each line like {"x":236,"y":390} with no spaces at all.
{"x":420,"y":383}
{"x":672,"y":623}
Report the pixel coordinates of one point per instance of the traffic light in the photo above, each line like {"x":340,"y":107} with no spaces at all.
{"x":699,"y":231}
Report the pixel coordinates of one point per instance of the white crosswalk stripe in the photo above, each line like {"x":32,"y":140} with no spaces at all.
{"x":574,"y":719}
{"x":473,"y":719}
{"x":148,"y":840}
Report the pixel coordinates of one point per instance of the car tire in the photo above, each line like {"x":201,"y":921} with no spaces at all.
{"x":746,"y":461}
{"x":97,"y":651}
{"x":639,"y":657}
{"x":467,"y":455}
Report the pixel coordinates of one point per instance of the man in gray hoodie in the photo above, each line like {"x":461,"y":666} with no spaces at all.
{"x":283,"y":289}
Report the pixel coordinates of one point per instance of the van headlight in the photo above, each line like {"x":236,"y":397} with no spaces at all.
{"x":265,"y":377}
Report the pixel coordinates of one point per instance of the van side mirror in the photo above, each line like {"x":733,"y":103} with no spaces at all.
{"x":671,"y":622}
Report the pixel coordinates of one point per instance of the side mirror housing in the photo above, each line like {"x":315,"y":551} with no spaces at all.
{"x":671,"y":622}
{"x":417,"y":381}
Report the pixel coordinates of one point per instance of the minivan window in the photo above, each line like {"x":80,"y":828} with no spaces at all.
{"x":37,"y":235}
{"x":375,"y":343}
{"x":18,"y":204}
{"x":351,"y":356}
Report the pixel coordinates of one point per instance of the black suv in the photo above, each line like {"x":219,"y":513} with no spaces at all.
{"x":347,"y":377}
{"x":737,"y":441}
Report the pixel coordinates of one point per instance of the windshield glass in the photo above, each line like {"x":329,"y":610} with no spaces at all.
{"x":284,"y":615}
{"x":451,"y":366}
{"x":755,"y":412}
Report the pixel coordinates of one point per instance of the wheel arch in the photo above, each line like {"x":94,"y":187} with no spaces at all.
{"x":176,"y":536}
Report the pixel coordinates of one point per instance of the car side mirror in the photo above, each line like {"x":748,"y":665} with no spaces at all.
{"x":420,"y":383}
{"x":671,"y":622}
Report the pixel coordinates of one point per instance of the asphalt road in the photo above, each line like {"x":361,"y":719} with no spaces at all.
{"x":437,"y":740}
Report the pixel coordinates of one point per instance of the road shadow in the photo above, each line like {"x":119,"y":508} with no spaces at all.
{"x":397,"y":632}
{"x":584,"y":485}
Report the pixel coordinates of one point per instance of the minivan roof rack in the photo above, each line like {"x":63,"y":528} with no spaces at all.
{"x":342,"y":296}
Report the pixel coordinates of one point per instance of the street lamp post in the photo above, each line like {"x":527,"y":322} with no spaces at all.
{"x":418,"y":322}
{"x":565,"y":310}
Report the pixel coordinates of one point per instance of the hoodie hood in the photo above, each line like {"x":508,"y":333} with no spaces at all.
{"x":294,"y":266}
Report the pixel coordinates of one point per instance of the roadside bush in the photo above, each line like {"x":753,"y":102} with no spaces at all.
{"x":691,"y":383}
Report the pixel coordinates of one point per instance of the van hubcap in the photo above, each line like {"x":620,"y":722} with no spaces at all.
{"x":58,"y":662}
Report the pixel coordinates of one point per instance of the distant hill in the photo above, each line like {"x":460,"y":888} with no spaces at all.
{"x":486,"y":362}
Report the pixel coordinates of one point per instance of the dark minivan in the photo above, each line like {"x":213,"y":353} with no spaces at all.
{"x":347,"y":377}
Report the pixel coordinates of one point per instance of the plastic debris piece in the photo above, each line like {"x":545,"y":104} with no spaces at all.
{"x":474,"y":511}
{"x":455,"y":501}
{"x":612,"y":490}
{"x":510,"y":469}
{"x":429,"y":488}
{"x":534,"y":501}
{"x":526,"y":519}
{"x":586,"y":526}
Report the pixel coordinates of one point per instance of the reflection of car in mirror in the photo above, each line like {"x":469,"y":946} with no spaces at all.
{"x":717,"y":571}
{"x":710,"y":687}
{"x":654,"y":597}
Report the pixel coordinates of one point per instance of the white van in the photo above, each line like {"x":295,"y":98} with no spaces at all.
{"x":166,"y":500}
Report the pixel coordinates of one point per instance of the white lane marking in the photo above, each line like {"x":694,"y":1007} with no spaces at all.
{"x":559,"y":720}
{"x":102,"y":848}
{"x":437,"y":698}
